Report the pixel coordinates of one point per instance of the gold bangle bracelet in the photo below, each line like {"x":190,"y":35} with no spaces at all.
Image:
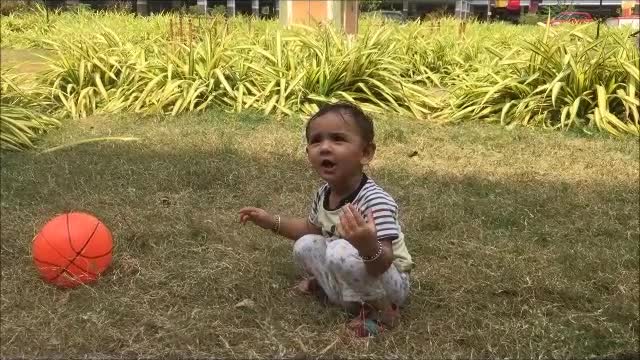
{"x":276,"y":228}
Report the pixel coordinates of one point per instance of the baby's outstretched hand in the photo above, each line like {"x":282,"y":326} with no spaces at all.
{"x":257,"y":216}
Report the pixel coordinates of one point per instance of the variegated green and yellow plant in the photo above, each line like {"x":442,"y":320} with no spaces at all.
{"x":561,"y":80}
{"x":529,"y":75}
{"x":23,"y":112}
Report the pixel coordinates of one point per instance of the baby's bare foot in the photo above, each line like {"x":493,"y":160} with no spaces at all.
{"x":390,"y":316}
{"x":307,"y":286}
{"x":311,"y":286}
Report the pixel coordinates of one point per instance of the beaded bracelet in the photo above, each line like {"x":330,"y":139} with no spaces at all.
{"x":276,"y":228}
{"x":374,"y":257}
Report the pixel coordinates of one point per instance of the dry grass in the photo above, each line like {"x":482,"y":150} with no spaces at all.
{"x":526,"y":242}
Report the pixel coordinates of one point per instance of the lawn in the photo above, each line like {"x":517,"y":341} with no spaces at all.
{"x":526,"y":242}
{"x":24,"y":61}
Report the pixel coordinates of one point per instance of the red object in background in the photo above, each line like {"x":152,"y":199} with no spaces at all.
{"x":572,"y":17}
{"x":513,"y":5}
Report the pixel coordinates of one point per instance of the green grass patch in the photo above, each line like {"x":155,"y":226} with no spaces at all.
{"x":526,"y":242}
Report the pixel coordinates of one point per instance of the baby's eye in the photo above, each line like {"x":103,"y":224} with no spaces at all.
{"x":338,"y":138}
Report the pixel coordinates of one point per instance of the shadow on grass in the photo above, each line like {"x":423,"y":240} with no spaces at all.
{"x":497,"y":261}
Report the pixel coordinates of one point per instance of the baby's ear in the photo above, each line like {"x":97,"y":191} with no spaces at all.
{"x":367,"y":153}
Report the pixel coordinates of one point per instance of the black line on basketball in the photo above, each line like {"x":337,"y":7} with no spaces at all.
{"x":59,"y":254}
{"x":83,"y":246}
{"x":64,"y":270}
{"x":58,"y":267}
{"x":47,"y":263}
{"x":53,"y":247}
{"x":80,"y":252}
{"x":83,"y":269}
{"x":87,"y":242}
{"x":77,"y":253}
{"x":98,"y":256}
{"x":69,"y":235}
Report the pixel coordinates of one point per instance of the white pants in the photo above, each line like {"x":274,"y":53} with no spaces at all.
{"x":342,"y":274}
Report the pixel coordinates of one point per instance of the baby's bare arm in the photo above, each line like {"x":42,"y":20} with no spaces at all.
{"x":292,"y":228}
{"x":383,"y":262}
{"x":295,"y":228}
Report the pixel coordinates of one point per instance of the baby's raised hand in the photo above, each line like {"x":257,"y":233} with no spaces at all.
{"x":360,"y":233}
{"x":257,"y":216}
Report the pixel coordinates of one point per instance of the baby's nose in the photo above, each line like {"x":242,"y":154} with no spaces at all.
{"x":325,"y":146}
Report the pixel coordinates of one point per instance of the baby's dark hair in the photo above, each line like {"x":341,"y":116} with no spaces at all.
{"x":362,"y":120}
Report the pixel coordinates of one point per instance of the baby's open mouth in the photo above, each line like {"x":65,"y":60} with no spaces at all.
{"x":327,"y":164}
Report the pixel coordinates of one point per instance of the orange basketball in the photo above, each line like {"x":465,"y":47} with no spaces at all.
{"x":72,"y":249}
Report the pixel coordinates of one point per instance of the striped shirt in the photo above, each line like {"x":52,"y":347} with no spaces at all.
{"x":367,"y":196}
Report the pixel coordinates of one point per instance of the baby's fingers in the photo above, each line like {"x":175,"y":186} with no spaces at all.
{"x":345,"y":224}
{"x":247,"y":210}
{"x":357,"y":217}
{"x":246,"y":213}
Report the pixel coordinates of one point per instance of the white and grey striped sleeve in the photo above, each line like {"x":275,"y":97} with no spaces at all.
{"x":385,"y":212}
{"x":313,"y":215}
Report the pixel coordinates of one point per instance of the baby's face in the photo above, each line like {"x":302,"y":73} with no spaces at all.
{"x":335,"y":148}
